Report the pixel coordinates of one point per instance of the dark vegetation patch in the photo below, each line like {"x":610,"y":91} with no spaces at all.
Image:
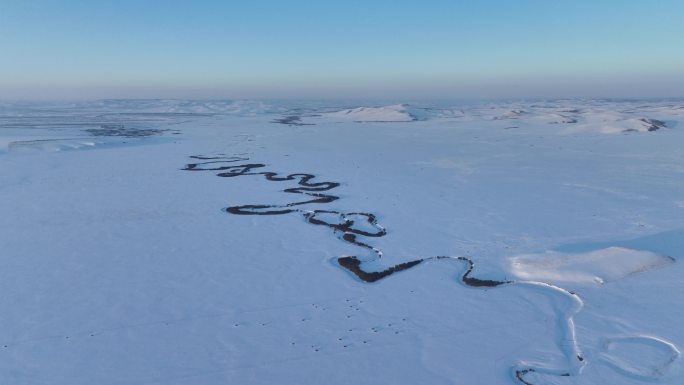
{"x":119,"y":130}
{"x":291,"y":120}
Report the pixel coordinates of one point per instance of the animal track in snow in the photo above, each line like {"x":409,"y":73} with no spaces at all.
{"x":643,"y":357}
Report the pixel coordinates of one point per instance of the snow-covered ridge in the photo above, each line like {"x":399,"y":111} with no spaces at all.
{"x":138,"y":106}
{"x":562,"y":117}
{"x":615,"y":122}
{"x":393,"y":113}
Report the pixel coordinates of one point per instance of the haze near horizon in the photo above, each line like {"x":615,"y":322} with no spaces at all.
{"x":308,"y":49}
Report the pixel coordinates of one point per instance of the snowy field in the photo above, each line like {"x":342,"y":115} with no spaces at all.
{"x":241,"y":242}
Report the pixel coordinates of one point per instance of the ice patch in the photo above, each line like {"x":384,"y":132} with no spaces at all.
{"x":52,"y":144}
{"x":594,"y":267}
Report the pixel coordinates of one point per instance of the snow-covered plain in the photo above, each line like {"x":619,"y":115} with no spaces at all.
{"x":171,"y":242}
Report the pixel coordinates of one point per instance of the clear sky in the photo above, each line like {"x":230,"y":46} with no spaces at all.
{"x":311,"y":49}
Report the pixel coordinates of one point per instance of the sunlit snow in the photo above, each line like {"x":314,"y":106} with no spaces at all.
{"x":251,"y":242}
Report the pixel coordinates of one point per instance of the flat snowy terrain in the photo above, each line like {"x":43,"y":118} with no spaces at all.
{"x":243,"y":242}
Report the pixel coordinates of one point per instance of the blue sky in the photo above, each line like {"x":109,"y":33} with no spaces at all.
{"x":311,"y":49}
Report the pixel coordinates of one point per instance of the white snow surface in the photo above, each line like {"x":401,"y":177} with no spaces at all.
{"x":596,"y":267}
{"x":120,"y":266}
